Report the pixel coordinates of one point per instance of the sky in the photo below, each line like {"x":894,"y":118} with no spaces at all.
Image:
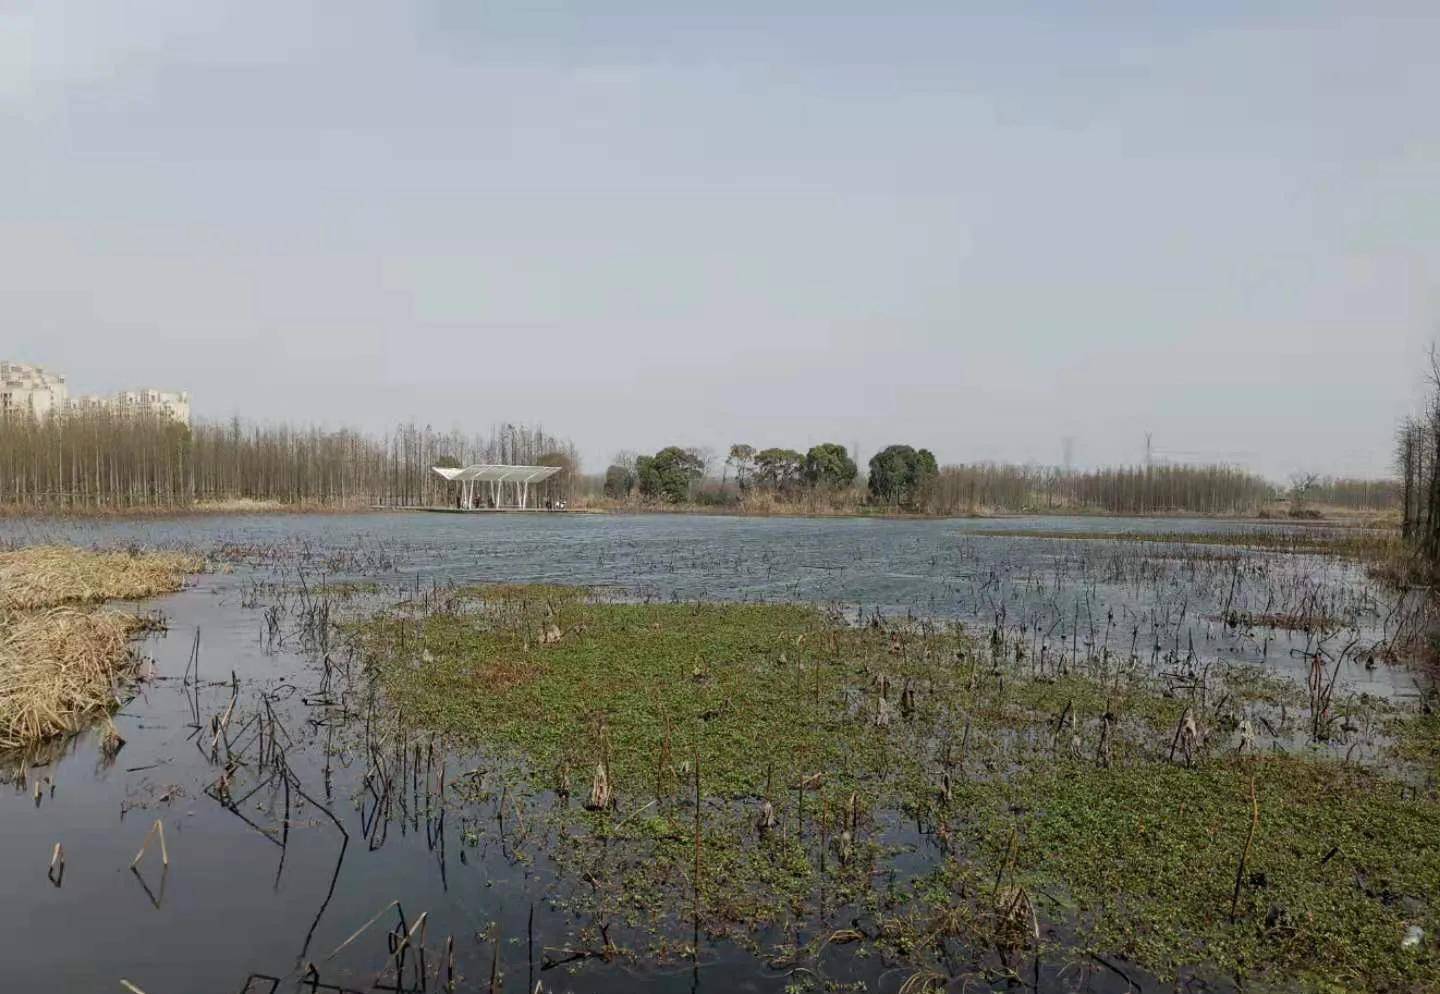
{"x":980,"y":228}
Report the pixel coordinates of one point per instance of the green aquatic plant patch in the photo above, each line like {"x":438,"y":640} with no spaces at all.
{"x":931,"y":796}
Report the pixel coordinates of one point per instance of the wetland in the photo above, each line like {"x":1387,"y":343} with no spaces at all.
{"x":614,"y":753}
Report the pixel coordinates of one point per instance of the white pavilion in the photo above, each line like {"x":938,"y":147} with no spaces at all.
{"x":496,"y":478}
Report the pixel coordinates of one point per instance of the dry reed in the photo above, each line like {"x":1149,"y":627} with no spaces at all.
{"x":60,"y":668}
{"x":60,"y":665}
{"x":49,"y":576}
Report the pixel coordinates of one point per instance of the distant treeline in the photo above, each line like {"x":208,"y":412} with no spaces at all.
{"x":102,"y":460}
{"x":1149,"y":490}
{"x":1355,"y":494}
{"x":904,"y":477}
{"x":1133,"y":490}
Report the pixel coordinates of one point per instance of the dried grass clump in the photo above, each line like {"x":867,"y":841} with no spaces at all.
{"x":238,"y":505}
{"x":60,"y":668}
{"x":42,"y":577}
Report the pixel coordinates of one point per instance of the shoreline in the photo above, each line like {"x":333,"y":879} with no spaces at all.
{"x":1334,"y":519}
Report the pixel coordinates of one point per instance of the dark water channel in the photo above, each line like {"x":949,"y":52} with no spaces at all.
{"x":235,"y":908}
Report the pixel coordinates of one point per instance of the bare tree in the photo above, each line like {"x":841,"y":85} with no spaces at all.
{"x":1301,"y":486}
{"x":109,"y":460}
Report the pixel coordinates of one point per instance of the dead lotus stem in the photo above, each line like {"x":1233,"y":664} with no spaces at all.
{"x":696,"y":881}
{"x":766,"y":819}
{"x":157,"y":830}
{"x":397,"y":957}
{"x":1245,"y":853}
{"x":626,"y":820}
{"x":361,"y":930}
{"x":601,"y":797}
{"x":923,"y":983}
{"x":222,"y":725}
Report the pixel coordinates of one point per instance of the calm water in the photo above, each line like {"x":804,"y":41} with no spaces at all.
{"x":234,"y":905}
{"x":1120,"y":595}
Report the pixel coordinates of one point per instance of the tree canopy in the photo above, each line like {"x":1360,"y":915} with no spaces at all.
{"x":619,"y":481}
{"x":778,"y":469}
{"x":742,"y":459}
{"x":899,"y":474}
{"x":668,"y":474}
{"x":829,"y":465}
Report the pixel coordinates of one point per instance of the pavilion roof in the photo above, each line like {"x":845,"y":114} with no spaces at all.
{"x":494,"y":473}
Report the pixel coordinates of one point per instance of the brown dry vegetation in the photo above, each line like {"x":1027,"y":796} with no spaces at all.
{"x":59,"y":669}
{"x":61,"y":665}
{"x":49,"y":576}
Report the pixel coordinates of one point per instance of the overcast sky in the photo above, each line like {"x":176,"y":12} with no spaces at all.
{"x":782,"y":223}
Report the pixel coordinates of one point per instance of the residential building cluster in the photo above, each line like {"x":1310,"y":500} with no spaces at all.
{"x":31,"y":391}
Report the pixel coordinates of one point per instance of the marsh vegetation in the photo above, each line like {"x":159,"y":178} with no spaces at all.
{"x":62,"y":662}
{"x":1066,"y":807}
{"x":869,"y":756}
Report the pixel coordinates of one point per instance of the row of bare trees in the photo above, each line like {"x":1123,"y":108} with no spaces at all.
{"x":1353,"y":493}
{"x":104,"y":460}
{"x":100,"y":460}
{"x":1124,"y":490}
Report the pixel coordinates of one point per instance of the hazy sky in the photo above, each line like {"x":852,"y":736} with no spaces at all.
{"x":783,"y":223}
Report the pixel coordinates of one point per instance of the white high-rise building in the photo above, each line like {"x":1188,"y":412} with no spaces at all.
{"x":30,"y":391}
{"x":158,"y":402}
{"x":88,"y":403}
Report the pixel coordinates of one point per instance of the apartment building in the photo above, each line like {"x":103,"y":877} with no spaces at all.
{"x":157,"y":402}
{"x":31,"y":391}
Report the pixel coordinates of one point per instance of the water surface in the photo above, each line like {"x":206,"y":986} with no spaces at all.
{"x":234,"y":907}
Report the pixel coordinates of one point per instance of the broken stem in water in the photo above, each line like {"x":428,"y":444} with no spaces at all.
{"x":157,"y":829}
